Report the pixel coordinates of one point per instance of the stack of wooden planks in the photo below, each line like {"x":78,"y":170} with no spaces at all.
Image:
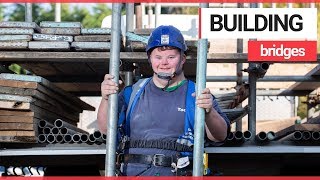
{"x":16,"y":35}
{"x":136,"y":45}
{"x":53,"y":36}
{"x":25,"y":100}
{"x":93,"y":39}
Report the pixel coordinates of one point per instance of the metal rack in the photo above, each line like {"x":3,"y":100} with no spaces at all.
{"x":92,"y":151}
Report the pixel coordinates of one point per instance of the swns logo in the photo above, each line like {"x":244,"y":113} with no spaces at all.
{"x":276,"y":34}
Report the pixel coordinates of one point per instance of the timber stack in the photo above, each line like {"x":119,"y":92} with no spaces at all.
{"x":137,"y":41}
{"x":53,"y":36}
{"x":26,"y":100}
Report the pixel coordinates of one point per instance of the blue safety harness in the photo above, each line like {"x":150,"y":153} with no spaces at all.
{"x":131,"y":96}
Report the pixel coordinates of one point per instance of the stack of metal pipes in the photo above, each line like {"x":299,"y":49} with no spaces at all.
{"x":63,"y":132}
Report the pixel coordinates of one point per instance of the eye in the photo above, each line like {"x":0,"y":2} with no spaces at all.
{"x":172,"y":57}
{"x":158,"y":58}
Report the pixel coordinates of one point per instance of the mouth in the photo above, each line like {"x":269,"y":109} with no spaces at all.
{"x":164,"y":69}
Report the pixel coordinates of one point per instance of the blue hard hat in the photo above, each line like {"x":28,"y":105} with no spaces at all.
{"x":166,"y":36}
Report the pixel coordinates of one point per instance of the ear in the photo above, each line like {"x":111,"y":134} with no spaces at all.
{"x":184,"y":58}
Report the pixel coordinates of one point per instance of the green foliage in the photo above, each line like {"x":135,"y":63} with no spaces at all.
{"x":17,"y":69}
{"x":1,"y":12}
{"x":74,"y":14}
{"x":302,"y":109}
{"x":95,"y":20}
{"x":17,"y":14}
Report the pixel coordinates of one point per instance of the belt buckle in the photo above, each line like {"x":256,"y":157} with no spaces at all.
{"x":156,"y":158}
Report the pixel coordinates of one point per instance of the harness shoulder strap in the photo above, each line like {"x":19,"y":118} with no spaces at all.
{"x":134,"y":90}
{"x":137,"y":90}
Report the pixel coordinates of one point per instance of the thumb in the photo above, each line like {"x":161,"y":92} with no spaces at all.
{"x":193,"y":94}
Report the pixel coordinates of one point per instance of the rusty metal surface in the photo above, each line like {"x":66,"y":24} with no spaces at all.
{"x":51,"y":24}
{"x":61,"y":31}
{"x":12,"y":31}
{"x":95,"y":31}
{"x":37,"y":45}
{"x":51,"y":37}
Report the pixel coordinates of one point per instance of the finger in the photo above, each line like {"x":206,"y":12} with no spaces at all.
{"x":108,"y":76}
{"x":107,"y":87}
{"x":109,"y":91}
{"x":204,"y":96}
{"x":204,"y":101}
{"x":206,"y":91}
{"x":193,"y":94}
{"x":109,"y":83}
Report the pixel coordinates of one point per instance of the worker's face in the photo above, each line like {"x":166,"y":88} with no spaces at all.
{"x":166,"y":61}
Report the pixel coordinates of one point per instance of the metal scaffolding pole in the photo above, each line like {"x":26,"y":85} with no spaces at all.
{"x":265,"y":78}
{"x":239,"y":73}
{"x":252,"y":93}
{"x":198,"y":147}
{"x":129,"y":22}
{"x":129,"y":28}
{"x":28,"y":12}
{"x":128,"y":78}
{"x":57,"y":17}
{"x":157,"y":14}
{"x":129,"y":17}
{"x":113,"y":99}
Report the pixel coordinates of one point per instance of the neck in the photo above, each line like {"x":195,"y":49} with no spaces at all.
{"x":161,"y":83}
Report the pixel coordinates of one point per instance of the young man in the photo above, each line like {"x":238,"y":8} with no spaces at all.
{"x":158,"y":114}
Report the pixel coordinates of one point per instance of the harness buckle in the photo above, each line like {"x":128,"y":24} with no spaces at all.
{"x":156,"y":160}
{"x":119,"y":158}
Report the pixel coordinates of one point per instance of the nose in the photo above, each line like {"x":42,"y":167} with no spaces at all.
{"x":164,"y":61}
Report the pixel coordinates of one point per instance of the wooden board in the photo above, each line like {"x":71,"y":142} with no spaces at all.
{"x":18,"y":139}
{"x":16,"y":98}
{"x":16,"y":31}
{"x":137,"y":46}
{"x":18,"y":126}
{"x":52,"y":114}
{"x":42,"y":96}
{"x":51,"y":37}
{"x":18,"y":84}
{"x":17,"y":133}
{"x":52,"y":24}
{"x":16,"y":113}
{"x":96,"y":31}
{"x":144,"y":31}
{"x":13,"y":45}
{"x":93,"y":38}
{"x":17,"y":119}
{"x":15,"y":37}
{"x":75,"y":107}
{"x":20,"y":24}
{"x":57,"y":45}
{"x":93,"y":46}
{"x":49,"y":85}
{"x":14,"y":105}
{"x":61,"y":31}
{"x":307,"y":127}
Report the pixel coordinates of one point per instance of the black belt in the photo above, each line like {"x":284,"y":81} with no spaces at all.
{"x":156,"y":159}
